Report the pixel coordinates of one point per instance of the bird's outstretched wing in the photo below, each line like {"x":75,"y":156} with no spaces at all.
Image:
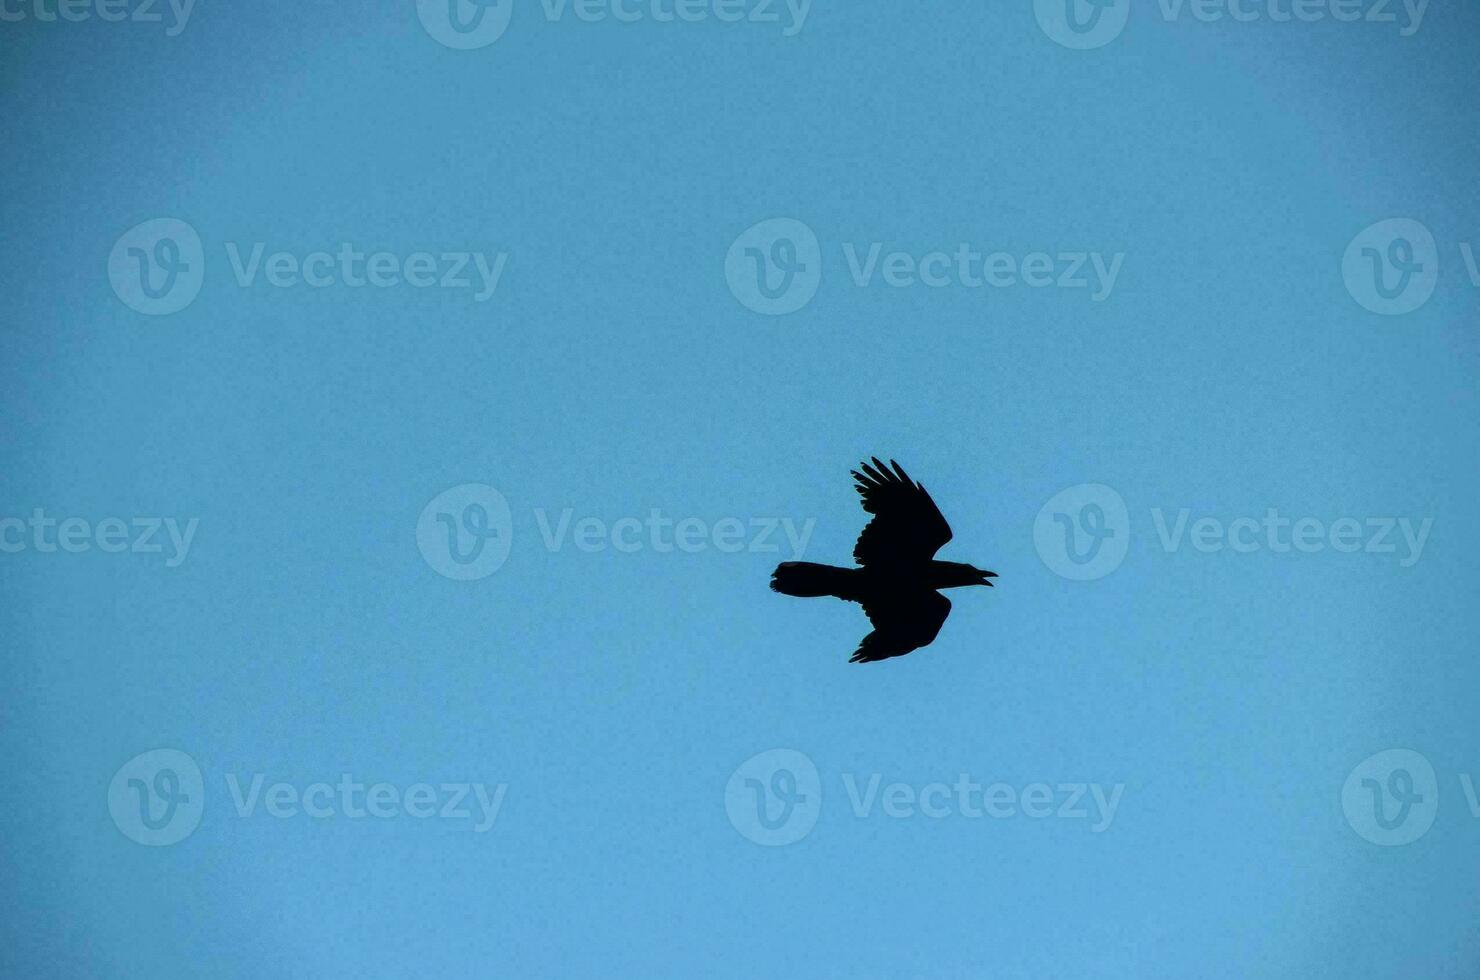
{"x":901,"y":623}
{"x":907,"y":526}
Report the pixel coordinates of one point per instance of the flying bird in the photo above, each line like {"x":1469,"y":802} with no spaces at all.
{"x":898,"y":581}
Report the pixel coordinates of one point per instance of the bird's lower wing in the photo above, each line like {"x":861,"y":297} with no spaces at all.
{"x":901,"y":625}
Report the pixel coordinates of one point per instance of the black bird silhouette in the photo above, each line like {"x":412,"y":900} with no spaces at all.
{"x":896,"y":585}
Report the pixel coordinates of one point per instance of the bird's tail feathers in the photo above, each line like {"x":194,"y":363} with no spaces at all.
{"x":805,"y":578}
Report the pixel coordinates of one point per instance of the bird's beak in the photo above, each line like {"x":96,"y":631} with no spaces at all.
{"x":987,"y":577}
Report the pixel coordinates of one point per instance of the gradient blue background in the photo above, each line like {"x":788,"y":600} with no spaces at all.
{"x":614,"y":373}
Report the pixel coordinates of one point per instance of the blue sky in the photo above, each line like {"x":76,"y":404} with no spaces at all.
{"x":563,"y":353}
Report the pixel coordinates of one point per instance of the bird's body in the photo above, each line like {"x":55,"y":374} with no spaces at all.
{"x":898,"y":579}
{"x":857,"y":584}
